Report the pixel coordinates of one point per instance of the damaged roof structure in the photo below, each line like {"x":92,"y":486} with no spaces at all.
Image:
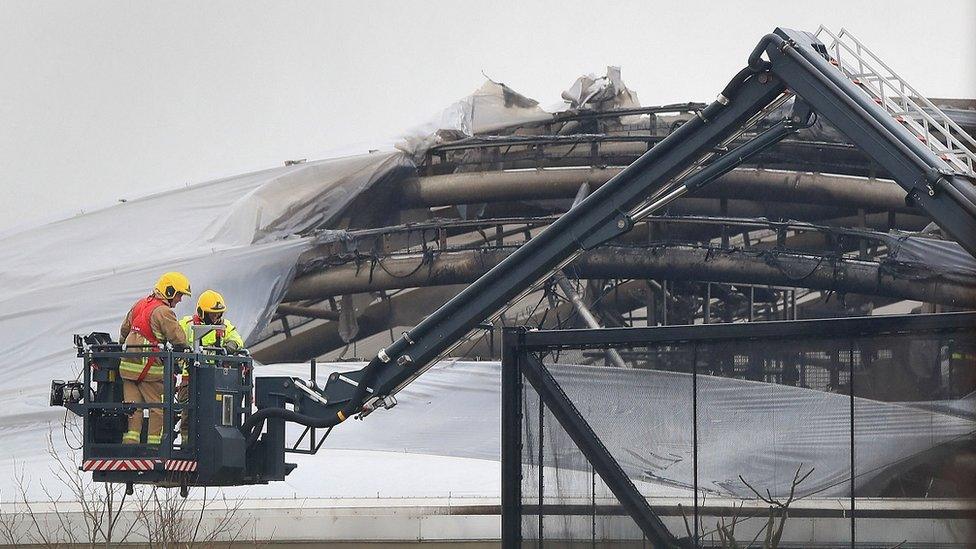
{"x":811,"y":229}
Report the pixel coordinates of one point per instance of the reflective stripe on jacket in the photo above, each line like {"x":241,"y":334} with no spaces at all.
{"x":213,"y":338}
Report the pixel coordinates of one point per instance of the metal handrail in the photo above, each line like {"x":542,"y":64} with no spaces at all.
{"x":952,"y":150}
{"x":866,"y":70}
{"x":915,"y":93}
{"x":169,"y":404}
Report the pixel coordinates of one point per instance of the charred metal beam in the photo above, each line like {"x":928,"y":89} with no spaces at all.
{"x":748,"y":184}
{"x":624,"y":297}
{"x":705,"y":228}
{"x":404,"y":309}
{"x":586,"y":315}
{"x":533,"y":152}
{"x":668,"y":262}
{"x":733,"y":208}
{"x":308,"y":312}
{"x":671,"y":227}
{"x":400,"y":311}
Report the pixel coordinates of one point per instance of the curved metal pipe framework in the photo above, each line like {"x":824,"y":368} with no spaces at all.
{"x":842,"y":191}
{"x":659,"y":261}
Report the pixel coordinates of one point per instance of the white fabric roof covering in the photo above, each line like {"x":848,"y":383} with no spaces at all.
{"x":82,"y":274}
{"x":444,"y":436}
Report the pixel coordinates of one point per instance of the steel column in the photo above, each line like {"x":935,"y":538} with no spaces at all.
{"x":511,"y":439}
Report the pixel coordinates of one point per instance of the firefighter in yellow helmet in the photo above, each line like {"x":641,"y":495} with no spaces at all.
{"x":210,"y":311}
{"x":150,"y":322}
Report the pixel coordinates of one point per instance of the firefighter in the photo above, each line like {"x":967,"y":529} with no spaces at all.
{"x":210,"y":311}
{"x":962,"y":365}
{"x":151,"y":321}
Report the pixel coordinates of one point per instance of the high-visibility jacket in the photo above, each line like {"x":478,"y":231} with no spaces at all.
{"x":227,"y":337}
{"x":149,"y":322}
{"x":963,"y":353}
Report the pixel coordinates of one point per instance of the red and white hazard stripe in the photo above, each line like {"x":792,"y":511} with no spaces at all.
{"x":118,"y":465}
{"x":181,"y":465}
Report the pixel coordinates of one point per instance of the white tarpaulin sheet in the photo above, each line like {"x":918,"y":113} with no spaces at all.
{"x":761,"y":431}
{"x":496,"y":107}
{"x":490,"y":107}
{"x":758,"y":430}
{"x":601,"y":92}
{"x":82,"y":274}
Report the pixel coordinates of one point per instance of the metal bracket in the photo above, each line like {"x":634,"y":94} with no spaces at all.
{"x":620,"y":223}
{"x":312,"y":394}
{"x":351,"y":382}
{"x":802,"y":114}
{"x":375,"y":403}
{"x":935,"y":179}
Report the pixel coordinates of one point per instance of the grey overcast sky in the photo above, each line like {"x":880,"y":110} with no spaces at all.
{"x":105,"y":100}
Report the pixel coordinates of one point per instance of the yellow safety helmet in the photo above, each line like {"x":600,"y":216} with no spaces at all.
{"x":172,"y":283}
{"x":210,"y":302}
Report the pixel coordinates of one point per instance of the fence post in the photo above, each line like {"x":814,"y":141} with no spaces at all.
{"x":511,"y":458}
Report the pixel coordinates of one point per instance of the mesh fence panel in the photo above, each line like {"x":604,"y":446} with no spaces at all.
{"x":926,"y":376}
{"x":750,"y":424}
{"x":566,"y":503}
